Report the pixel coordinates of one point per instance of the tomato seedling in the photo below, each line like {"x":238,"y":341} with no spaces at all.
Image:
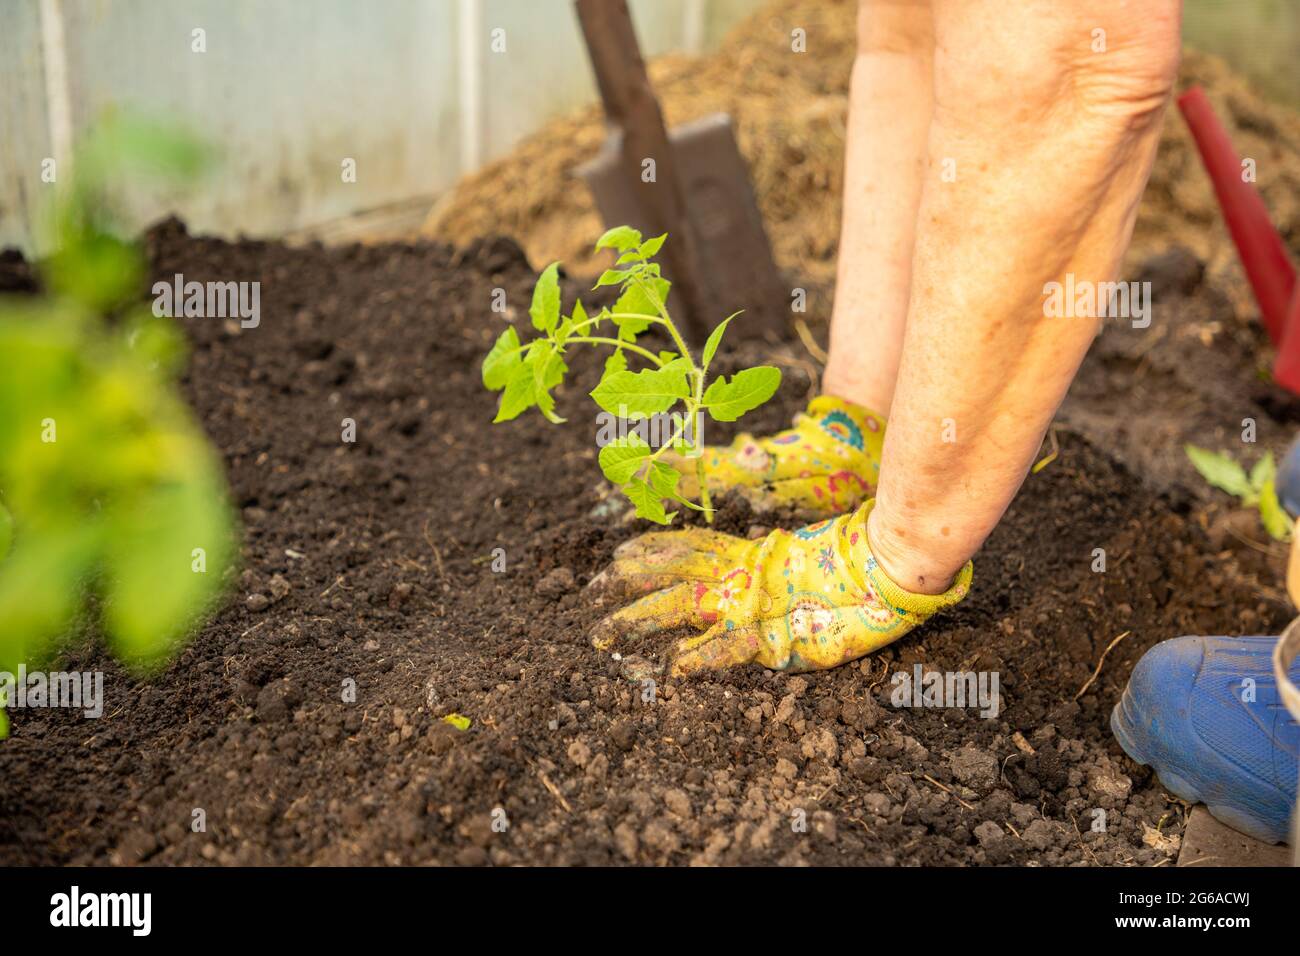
{"x":525,"y":373}
{"x":1255,"y":490}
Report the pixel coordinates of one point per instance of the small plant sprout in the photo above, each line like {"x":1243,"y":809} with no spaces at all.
{"x":1255,"y":490}
{"x":100,"y":516}
{"x":668,"y":380}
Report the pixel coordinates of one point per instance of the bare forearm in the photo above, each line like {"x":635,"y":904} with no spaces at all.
{"x":984,"y":366}
{"x":890,"y":104}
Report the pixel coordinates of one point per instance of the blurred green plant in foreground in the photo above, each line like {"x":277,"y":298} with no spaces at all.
{"x":113,"y":506}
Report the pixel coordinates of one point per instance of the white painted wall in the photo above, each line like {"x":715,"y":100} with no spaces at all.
{"x":289,"y":88}
{"x":24,"y":120}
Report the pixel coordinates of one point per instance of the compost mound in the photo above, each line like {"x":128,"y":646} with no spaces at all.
{"x":789,"y":111}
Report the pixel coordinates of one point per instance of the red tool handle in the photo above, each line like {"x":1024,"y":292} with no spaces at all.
{"x":1286,"y":367}
{"x":1271,"y":274}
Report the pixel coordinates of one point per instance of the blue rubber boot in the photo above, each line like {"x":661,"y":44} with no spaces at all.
{"x":1287,"y":483}
{"x":1204,"y":714}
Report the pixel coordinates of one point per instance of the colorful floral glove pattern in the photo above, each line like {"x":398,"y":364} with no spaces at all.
{"x":828,"y":462}
{"x":794,"y":601}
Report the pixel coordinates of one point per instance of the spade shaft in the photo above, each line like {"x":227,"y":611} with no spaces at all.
{"x":690,"y":182}
{"x":644,"y":154}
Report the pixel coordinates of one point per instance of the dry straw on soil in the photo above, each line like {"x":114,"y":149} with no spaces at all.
{"x":789,"y":111}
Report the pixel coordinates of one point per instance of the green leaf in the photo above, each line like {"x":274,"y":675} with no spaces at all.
{"x":113,"y":512}
{"x":502,"y":361}
{"x":715,"y":339}
{"x":612,"y":277}
{"x":748,"y":389}
{"x":682,"y":365}
{"x":99,"y":271}
{"x":648,"y":502}
{"x":663,"y":479}
{"x":541,"y":353}
{"x":1264,"y":471}
{"x":459,"y":721}
{"x":636,"y":300}
{"x":128,"y":144}
{"x":153,"y":597}
{"x":158,"y":340}
{"x":638,"y":394}
{"x":617,"y":362}
{"x":41,"y":587}
{"x":6,"y":531}
{"x":621,"y":238}
{"x":575,"y":320}
{"x":1276,"y":521}
{"x":650,"y":248}
{"x":529,"y":383}
{"x":548,"y":371}
{"x":520,"y":394}
{"x":1220,"y":471}
{"x":545,"y":310}
{"x":620,"y":460}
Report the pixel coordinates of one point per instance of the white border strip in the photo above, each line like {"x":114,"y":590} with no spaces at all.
{"x":58,"y":103}
{"x":693,"y":29}
{"x":470,"y":36}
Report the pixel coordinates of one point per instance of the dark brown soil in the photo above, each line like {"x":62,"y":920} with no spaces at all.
{"x":373,"y":562}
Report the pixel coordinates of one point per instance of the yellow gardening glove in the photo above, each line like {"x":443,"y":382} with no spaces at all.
{"x":797,"y":601}
{"x":827,"y":463}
